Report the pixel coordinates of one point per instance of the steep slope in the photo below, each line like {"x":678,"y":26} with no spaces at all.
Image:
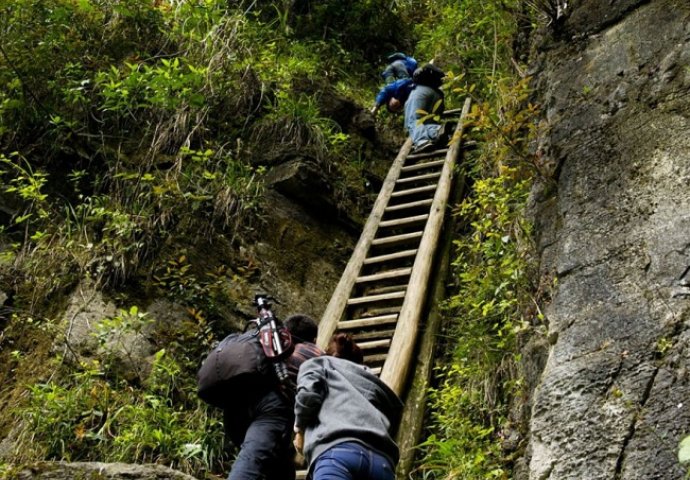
{"x":612,"y":401}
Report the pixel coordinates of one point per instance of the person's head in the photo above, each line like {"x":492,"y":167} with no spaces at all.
{"x":394,"y":105}
{"x":343,"y":346}
{"x":302,"y":328}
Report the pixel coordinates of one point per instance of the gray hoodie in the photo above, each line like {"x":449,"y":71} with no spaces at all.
{"x":339,"y":401}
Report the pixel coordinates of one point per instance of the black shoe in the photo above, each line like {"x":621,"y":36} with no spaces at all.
{"x":443,"y":140}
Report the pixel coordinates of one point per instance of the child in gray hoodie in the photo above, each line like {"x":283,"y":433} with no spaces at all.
{"x":345,"y":416}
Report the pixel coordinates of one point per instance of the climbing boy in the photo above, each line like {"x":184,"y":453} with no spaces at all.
{"x":424,"y":104}
{"x":400,"y":66}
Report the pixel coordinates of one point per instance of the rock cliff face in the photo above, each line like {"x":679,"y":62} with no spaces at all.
{"x":613,"y":400}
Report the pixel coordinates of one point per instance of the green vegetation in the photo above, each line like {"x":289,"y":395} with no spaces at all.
{"x":684,"y":454}
{"x":129,"y":129}
{"x":88,"y":415}
{"x":491,"y":303}
{"x":133,"y":134}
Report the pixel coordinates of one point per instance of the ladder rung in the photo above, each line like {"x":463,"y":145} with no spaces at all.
{"x":376,"y":298}
{"x":368,"y":345}
{"x":369,"y":322}
{"x":390,"y":256}
{"x":375,"y":358}
{"x":421,"y":166}
{"x":375,"y":311}
{"x":396,"y":238}
{"x":431,"y":153}
{"x":404,"y":221}
{"x":400,"y":272}
{"x":419,"y":178}
{"x":361,"y":336}
{"x":412,"y":191}
{"x":380,"y":290}
{"x":402,"y":206}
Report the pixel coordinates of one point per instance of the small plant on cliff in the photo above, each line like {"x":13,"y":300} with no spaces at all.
{"x":684,"y":454}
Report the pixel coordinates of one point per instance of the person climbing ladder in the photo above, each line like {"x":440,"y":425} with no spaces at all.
{"x":424,"y":105}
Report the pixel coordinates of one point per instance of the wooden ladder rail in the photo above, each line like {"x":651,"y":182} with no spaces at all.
{"x":336,"y":306}
{"x":397,"y":360}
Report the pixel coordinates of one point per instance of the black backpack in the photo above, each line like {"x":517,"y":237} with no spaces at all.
{"x":236,"y":366}
{"x":429,"y":75}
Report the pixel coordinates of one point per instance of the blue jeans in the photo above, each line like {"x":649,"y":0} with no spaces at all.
{"x":423,"y":98}
{"x":352,"y":461}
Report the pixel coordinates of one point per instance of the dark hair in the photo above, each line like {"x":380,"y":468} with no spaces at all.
{"x":342,"y":345}
{"x":302,"y":328}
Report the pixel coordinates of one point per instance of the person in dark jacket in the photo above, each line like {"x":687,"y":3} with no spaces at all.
{"x":260,"y":418}
{"x":345,"y":416}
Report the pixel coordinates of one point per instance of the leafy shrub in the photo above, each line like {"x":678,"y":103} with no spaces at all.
{"x":493,"y":295}
{"x":369,"y":26}
{"x":296,"y":125}
{"x":87,"y":417}
{"x":473,"y":38}
{"x":469,"y":405}
{"x":47,"y":47}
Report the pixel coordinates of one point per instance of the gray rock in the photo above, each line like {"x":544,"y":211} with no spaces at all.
{"x":85,"y":310}
{"x":612,"y":399}
{"x":124,"y":351}
{"x":305,"y":183}
{"x":98,"y":471}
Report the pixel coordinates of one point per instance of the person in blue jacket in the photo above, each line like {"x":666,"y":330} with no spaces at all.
{"x":394,"y":95}
{"x":400,"y":66}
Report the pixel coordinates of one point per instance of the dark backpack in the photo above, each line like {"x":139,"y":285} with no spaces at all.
{"x":236,"y":366}
{"x":429,"y":75}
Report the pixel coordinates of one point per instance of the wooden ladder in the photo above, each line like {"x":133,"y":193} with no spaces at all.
{"x":381,"y":294}
{"x":382,"y":291}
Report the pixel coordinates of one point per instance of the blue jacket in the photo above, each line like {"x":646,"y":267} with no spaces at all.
{"x":399,"y":89}
{"x":401,"y":67}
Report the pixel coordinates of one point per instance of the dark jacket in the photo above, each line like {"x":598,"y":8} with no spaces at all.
{"x":401,"y":66}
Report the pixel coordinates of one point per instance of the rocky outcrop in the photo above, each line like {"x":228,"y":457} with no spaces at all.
{"x":614,"y":397}
{"x":94,"y":328}
{"x":305,"y":183}
{"x":97,"y":471}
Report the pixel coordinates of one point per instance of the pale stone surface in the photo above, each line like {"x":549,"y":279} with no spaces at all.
{"x":612,"y":401}
{"x":98,"y":471}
